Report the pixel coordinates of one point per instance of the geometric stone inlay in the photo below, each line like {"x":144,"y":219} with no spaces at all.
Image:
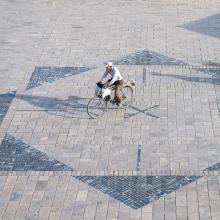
{"x":213,"y":71}
{"x":215,"y":167}
{"x":146,"y":57}
{"x":137,"y":191}
{"x":5,"y":101}
{"x":42,"y":75}
{"x":16,"y":155}
{"x":208,"y":26}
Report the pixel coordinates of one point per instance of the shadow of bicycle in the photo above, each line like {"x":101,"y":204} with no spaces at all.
{"x":73,"y":107}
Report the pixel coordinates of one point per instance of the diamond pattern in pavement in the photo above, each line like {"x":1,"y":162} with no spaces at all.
{"x":137,"y":191}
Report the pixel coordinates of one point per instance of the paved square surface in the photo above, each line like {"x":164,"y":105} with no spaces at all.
{"x":157,"y":159}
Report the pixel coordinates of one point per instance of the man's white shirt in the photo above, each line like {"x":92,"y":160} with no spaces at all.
{"x":115,"y":75}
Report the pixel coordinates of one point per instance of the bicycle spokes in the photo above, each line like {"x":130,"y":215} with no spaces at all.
{"x":96,"y":107}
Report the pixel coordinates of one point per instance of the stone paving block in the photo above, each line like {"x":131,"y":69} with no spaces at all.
{"x":102,"y":206}
{"x":158,"y":209}
{"x":41,"y":185}
{"x":11,"y":210}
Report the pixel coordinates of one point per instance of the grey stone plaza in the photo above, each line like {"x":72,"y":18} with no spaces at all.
{"x":156,"y":159}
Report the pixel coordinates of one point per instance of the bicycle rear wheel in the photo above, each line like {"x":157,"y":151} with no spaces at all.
{"x":96,"y":107}
{"x":128,"y":95}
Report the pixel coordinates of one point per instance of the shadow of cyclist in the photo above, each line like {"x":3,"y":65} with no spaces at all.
{"x":74,"y":105}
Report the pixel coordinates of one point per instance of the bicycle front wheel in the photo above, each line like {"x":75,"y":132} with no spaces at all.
{"x":128,"y":96}
{"x":96,"y":107}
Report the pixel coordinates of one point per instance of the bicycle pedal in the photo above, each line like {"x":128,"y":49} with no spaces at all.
{"x":113,"y":102}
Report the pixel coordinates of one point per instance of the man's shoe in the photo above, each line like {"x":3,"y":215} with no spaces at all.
{"x":119,"y":105}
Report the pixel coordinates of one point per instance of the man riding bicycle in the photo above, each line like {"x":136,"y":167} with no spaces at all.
{"x":98,"y":104}
{"x":116,"y":79}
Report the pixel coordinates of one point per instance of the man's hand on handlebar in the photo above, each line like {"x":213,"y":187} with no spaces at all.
{"x":106,"y":85}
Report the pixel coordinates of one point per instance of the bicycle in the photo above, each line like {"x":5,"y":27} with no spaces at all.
{"x":98,"y":105}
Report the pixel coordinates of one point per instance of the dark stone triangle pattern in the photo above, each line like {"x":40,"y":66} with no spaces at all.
{"x":213,"y":71}
{"x":5,"y":102}
{"x":42,"y":74}
{"x":18,"y":156}
{"x":137,"y":191}
{"x":208,"y":26}
{"x":146,"y":57}
{"x":215,"y":167}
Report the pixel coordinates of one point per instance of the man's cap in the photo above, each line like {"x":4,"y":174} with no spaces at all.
{"x":109,"y":64}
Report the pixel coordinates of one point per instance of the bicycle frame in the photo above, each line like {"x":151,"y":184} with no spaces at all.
{"x":129,"y":83}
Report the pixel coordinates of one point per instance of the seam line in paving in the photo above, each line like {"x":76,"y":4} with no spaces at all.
{"x":112,"y":173}
{"x":138,"y":157}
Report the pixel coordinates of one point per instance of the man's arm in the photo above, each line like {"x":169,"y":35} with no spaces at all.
{"x":115,"y":77}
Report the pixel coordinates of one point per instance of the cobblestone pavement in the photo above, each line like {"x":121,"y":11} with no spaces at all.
{"x":158,"y":159}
